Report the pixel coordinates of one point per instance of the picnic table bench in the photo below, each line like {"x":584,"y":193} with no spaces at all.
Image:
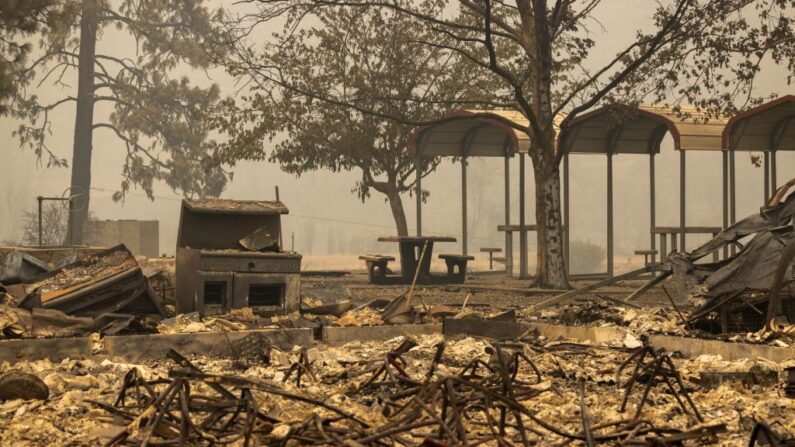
{"x":648,"y":255}
{"x":492,"y":258}
{"x":674,"y":232}
{"x":456,"y":266}
{"x":377,"y":267}
{"x":413,"y":261}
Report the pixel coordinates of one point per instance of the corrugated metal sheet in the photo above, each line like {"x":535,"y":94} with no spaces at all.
{"x":478,"y":136}
{"x":765,"y":127}
{"x":640,"y":130}
{"x":621,"y":130}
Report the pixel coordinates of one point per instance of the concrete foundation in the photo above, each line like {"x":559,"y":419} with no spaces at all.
{"x":689,"y":347}
{"x":342,"y":335}
{"x":136,"y":348}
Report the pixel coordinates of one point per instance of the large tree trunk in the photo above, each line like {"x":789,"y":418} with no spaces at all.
{"x":551,"y":265}
{"x":396,"y":205}
{"x":84,"y":122}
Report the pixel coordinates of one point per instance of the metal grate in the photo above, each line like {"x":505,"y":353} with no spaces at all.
{"x":747,"y":319}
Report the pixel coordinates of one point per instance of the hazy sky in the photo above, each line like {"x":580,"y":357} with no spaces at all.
{"x":322,"y":207}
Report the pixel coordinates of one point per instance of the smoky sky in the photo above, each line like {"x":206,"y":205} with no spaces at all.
{"x":326,"y":217}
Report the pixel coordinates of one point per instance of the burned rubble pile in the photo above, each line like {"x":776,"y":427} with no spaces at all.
{"x":106,"y":292}
{"x":408,"y":391}
{"x":748,"y":296}
{"x":753,"y":289}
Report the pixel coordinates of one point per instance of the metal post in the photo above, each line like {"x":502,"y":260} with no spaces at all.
{"x":652,"y":205}
{"x":508,"y":234}
{"x":732,"y":195}
{"x":418,"y":193}
{"x":767,"y":176}
{"x":40,"y":199}
{"x":773,"y":180}
{"x":725,"y":155}
{"x":70,"y":226}
{"x":281,"y":239}
{"x":464,"y":205}
{"x":522,"y":232}
{"x":566,"y":218}
{"x":610,"y":260}
{"x":682,"y":199}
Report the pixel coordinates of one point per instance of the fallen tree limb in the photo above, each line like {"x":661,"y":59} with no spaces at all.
{"x":646,"y":287}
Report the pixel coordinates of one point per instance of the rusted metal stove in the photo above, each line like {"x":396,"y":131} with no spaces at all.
{"x":229,"y":256}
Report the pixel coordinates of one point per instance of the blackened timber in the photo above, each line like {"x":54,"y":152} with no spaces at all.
{"x":589,"y":287}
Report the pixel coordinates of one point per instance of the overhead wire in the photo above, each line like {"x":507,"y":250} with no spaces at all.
{"x":316,"y":218}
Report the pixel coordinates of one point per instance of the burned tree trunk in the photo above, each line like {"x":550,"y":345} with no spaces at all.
{"x":84,"y":122}
{"x":398,"y":213}
{"x":551,"y":265}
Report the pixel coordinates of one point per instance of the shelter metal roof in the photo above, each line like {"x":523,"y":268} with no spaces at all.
{"x":226,"y":206}
{"x":765,"y":127}
{"x":640,"y":130}
{"x":478,"y":136}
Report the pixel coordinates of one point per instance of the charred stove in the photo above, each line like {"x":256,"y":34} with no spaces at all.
{"x":229,"y":256}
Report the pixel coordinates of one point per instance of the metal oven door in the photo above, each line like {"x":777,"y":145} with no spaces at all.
{"x":266,"y":293}
{"x":214,"y":292}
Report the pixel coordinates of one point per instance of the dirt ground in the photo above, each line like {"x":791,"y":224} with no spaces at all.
{"x":356,"y":288}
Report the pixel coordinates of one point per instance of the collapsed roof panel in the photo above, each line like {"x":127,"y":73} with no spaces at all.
{"x":109,"y":281}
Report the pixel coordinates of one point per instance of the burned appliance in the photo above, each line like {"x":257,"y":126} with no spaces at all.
{"x":229,"y":255}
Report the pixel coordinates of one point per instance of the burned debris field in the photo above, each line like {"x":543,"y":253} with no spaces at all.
{"x":406,"y":391}
{"x":490,"y":361}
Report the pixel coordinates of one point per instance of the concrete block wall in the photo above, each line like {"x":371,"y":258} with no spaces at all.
{"x":142,"y":237}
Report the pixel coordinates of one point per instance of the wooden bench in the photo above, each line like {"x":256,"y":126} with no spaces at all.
{"x":491,"y":251}
{"x":377,"y":267}
{"x":648,"y":256}
{"x":454,"y":261}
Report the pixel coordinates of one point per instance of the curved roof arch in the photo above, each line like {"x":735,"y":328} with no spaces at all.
{"x":768,"y":126}
{"x":476,"y":136}
{"x":640,"y":130}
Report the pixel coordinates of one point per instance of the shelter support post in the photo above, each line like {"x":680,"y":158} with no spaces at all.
{"x":682,"y":199}
{"x":566,"y":218}
{"x":464,"y":205}
{"x":522,"y":232}
{"x":767,"y":176}
{"x":418,"y":194}
{"x":725,"y":156}
{"x":773,"y":180}
{"x":508,"y":234}
{"x":732,"y":194}
{"x":652,"y":207}
{"x":610,"y":260}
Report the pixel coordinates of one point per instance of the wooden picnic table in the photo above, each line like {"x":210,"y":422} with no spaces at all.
{"x":410,"y":248}
{"x":674,"y":232}
{"x":516,"y":228}
{"x":509,"y":229}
